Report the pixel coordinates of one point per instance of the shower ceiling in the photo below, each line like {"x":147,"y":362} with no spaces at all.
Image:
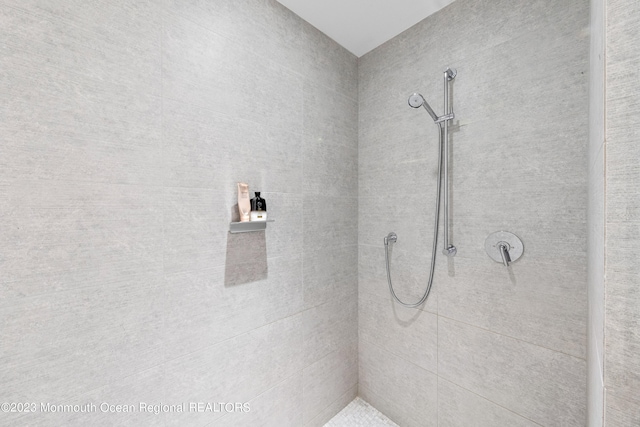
{"x":362,"y":25}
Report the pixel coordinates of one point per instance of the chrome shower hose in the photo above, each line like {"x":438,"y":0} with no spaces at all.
{"x":392,"y":237}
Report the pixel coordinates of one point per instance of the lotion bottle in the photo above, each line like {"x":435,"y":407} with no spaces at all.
{"x":244,"y":204}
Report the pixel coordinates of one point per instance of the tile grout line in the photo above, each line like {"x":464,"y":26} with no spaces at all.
{"x":438,"y":377}
{"x":491,"y":401}
{"x":164,"y":199}
{"x":512,"y":337}
{"x":487,"y":330}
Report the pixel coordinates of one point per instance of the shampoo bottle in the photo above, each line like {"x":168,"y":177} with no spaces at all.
{"x":258,"y":208}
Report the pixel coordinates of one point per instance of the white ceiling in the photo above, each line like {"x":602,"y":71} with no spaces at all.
{"x":362,"y":25}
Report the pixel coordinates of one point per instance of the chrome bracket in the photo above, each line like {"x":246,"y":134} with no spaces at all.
{"x":445,"y":118}
{"x":391,"y":237}
{"x":451,"y":73}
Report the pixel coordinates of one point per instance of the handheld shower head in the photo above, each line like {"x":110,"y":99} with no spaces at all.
{"x":416,"y":101}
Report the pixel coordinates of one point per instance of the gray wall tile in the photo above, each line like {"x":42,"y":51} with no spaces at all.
{"x":235,"y":370}
{"x":208,"y":70}
{"x":145,"y":386}
{"x":276,"y":407}
{"x":530,"y":302}
{"x":329,"y":221}
{"x":81,"y":129}
{"x":59,"y":236}
{"x":404,"y":392}
{"x":71,"y":38}
{"x":519,"y":162}
{"x":460,"y":407}
{"x":68,"y":343}
{"x":621,"y":412}
{"x":210,"y":150}
{"x":329,"y":377}
{"x":406,"y":332}
{"x":125,"y":130}
{"x":329,"y":116}
{"x":327,"y":63}
{"x":537,"y":383}
{"x":266,"y":28}
{"x":195,"y":224}
{"x":330,"y":327}
{"x":622,"y":299}
{"x":329,"y":169}
{"x":329,"y":273}
{"x":203,"y":307}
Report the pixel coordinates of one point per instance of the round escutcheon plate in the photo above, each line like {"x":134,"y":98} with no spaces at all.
{"x":513,"y":243}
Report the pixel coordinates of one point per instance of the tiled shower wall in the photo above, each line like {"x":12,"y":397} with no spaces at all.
{"x":622,"y":215}
{"x":124,"y":128}
{"x":492,"y":346}
{"x":614,"y":178}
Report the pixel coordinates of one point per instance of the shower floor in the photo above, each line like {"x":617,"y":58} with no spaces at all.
{"x":359,"y":413}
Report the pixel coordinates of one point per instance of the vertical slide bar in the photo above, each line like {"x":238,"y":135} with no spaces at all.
{"x":448,"y":249}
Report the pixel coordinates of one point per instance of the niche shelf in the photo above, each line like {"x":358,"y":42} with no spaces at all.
{"x":246,"y":227}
